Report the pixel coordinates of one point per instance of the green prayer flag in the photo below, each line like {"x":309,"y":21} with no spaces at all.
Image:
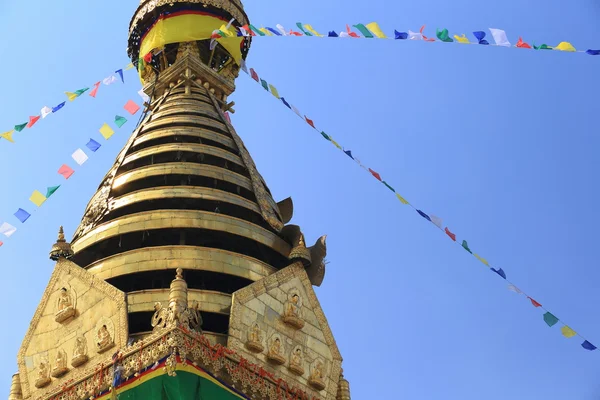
{"x":264,"y":84}
{"x":258,"y":32}
{"x":51,"y":190}
{"x":465,"y":245}
{"x":550,"y":319}
{"x":141,"y":64}
{"x":120,"y":121}
{"x":389,"y":187}
{"x":443,"y":36}
{"x":81,"y":91}
{"x":363,"y":29}
{"x":326,"y":136}
{"x":542,"y":47}
{"x":19,"y":128}
{"x":299,"y":25}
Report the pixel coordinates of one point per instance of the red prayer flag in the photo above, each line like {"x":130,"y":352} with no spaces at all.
{"x":522,"y":44}
{"x":350,"y":33}
{"x":33,"y":120}
{"x":131,"y":107}
{"x":375,"y":174}
{"x":148,"y":57}
{"x":294,"y":33}
{"x":425,"y":38}
{"x":452,"y":235}
{"x":95,"y":89}
{"x":227,"y":117}
{"x":247,"y":29}
{"x":535,"y":303}
{"x":309,"y":121}
{"x":66,"y":171}
{"x":1,"y":244}
{"x":254,"y":75}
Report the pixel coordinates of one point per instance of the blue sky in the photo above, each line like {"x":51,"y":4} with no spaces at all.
{"x":500,"y":143}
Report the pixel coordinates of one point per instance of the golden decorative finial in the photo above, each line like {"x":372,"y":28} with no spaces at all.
{"x":61,"y":249}
{"x":15,"y":388}
{"x":178,"y":312}
{"x":343,"y":392}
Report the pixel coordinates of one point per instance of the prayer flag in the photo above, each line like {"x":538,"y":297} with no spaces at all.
{"x":588,"y":346}
{"x":79,"y":156}
{"x":325,"y":136}
{"x":95,"y":89}
{"x":286,"y":103}
{"x":129,"y":66}
{"x":349,"y":153}
{"x":376,"y":30}
{"x":299,"y":25}
{"x":593,"y":52}
{"x":263,"y":30}
{"x":246,"y":31}
{"x":274,"y":91}
{"x":274,"y":31}
{"x":294,"y":109}
{"x":422,"y":214}
{"x":51,"y":190}
{"x":144,"y":96}
{"x":336,"y":144}
{"x":110,"y":80}
{"x":264,"y":84}
{"x":332,"y":34}
{"x":500,"y":272}
{"x":375,"y":174}
{"x":106,"y":131}
{"x":227,"y":117}
{"x":565,"y":46}
{"x":8,"y":136}
{"x":37,"y":198}
{"x":257,"y":31}
{"x":363,"y":29}
{"x":521,"y":44}
{"x":294,"y":33}
{"x":462,"y":39}
{"x":147,"y":58}
{"x":437,"y":221}
{"x":22,"y":215}
{"x":1,"y":243}
{"x":550,"y":319}
{"x":542,"y":47}
{"x":443,"y":35}
{"x":450,"y":234}
{"x":243,"y":65}
{"x":535,"y":303}
{"x":465,"y":245}
{"x":120,"y":121}
{"x":254,"y":75}
{"x":20,"y":127}
{"x":33,"y":120}
{"x":281,"y":29}
{"x":45,"y":112}
{"x":311,"y":30}
{"x":350,"y":33}
{"x":500,"y":37}
{"x":414,"y":35}
{"x":131,"y":107}
{"x":66,"y":171}
{"x":71,"y":96}
{"x":309,"y":121}
{"x":480,"y":36}
{"x":425,"y":38}
{"x":81,"y":91}
{"x":400,"y":35}
{"x":7,"y":229}
{"x":567,"y":332}
{"x":515,"y":289}
{"x":388,"y":186}
{"x":58,"y":107}
{"x":402,"y":199}
{"x":483,"y":260}
{"x":93,"y":145}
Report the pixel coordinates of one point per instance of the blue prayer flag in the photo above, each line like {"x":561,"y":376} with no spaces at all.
{"x":22,"y":215}
{"x":333,"y":34}
{"x":349,"y":153}
{"x":286,"y":103}
{"x":274,"y":31}
{"x":58,"y":107}
{"x":93,"y":145}
{"x":593,"y":52}
{"x":424,"y":215}
{"x":500,"y":272}
{"x":120,"y":72}
{"x":401,"y":35}
{"x":588,"y":346}
{"x":480,"y":36}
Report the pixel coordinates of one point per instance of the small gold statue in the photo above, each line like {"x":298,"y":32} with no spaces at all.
{"x":64,"y":306}
{"x":80,"y":356}
{"x":43,"y":373}
{"x":104,"y":342}
{"x":60,"y":366}
{"x":292,"y":315}
{"x":296,"y":362}
{"x":274,"y":354}
{"x":254,"y":342}
{"x":316,"y":377}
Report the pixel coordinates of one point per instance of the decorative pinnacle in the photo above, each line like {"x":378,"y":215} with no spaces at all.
{"x":61,"y":235}
{"x":61,"y":249}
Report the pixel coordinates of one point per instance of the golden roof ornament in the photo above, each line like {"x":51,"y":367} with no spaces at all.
{"x":15,"y":388}
{"x":343,"y":392}
{"x":61,"y":249}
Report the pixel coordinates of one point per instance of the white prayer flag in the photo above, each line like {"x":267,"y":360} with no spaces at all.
{"x":437,"y":221}
{"x":500,"y":37}
{"x":110,"y":80}
{"x":79,"y":156}
{"x":515,"y":289}
{"x":296,"y":111}
{"x":243,"y":65}
{"x":414,"y":35}
{"x":244,"y":32}
{"x":281,"y":29}
{"x":45,"y":111}
{"x":144,"y":96}
{"x":7,"y":229}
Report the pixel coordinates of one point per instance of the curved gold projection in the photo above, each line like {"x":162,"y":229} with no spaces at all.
{"x":178,"y":192}
{"x":193,"y":132}
{"x":164,"y":219}
{"x":192,"y":147}
{"x":208,"y":300}
{"x":186,"y":257}
{"x":166,"y":112}
{"x":185,"y":120}
{"x":190,"y":102}
{"x":212,"y":337}
{"x":183,"y":169}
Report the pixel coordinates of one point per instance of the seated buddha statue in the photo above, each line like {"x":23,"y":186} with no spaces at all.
{"x":254,"y":342}
{"x":80,"y":352}
{"x":64,"y":306}
{"x":292,"y":314}
{"x":104,"y":340}
{"x":60,"y":365}
{"x":296,"y":362}
{"x":43,"y":378}
{"x":316,"y":379}
{"x":275,"y":352}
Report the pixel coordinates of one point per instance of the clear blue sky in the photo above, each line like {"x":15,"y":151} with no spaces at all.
{"x":501,"y":143}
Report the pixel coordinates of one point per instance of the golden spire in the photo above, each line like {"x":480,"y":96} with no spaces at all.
{"x":15,"y":388}
{"x":61,"y":249}
{"x":178,"y":295}
{"x":343,"y":392}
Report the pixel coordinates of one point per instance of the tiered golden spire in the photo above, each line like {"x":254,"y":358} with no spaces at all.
{"x":61,"y":249}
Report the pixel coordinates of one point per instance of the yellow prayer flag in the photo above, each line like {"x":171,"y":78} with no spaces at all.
{"x":376,"y":30}
{"x":226,"y":31}
{"x":106,"y":131}
{"x":274,"y":91}
{"x":37,"y":198}
{"x":265,"y":31}
{"x":71,"y":96}
{"x":565,"y":46}
{"x":462,"y":39}
{"x":402,"y":199}
{"x":568,"y":332}
{"x":129,"y":66}
{"x":483,"y":260}
{"x":336,"y":144}
{"x":309,"y":28}
{"x":8,"y":136}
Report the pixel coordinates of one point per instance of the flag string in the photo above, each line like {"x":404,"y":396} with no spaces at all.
{"x":549,"y":318}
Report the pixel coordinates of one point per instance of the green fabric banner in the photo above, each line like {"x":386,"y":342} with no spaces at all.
{"x":363,"y":29}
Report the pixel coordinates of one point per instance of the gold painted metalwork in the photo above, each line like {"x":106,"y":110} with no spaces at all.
{"x":166,"y":122}
{"x":65,"y":307}
{"x":61,"y":248}
{"x":190,"y":132}
{"x":15,"y":388}
{"x":165,"y":112}
{"x":286,"y":209}
{"x":207,"y":300}
{"x":343,"y":392}
{"x":293,"y":311}
{"x":191,"y":147}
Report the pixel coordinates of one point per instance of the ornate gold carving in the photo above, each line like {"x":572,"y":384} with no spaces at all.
{"x":15,"y":388}
{"x":60,"y":365}
{"x":80,"y":356}
{"x":316,"y":270}
{"x":104,"y":339}
{"x":297,"y":361}
{"x":343,"y":392}
{"x":43,"y":375}
{"x":254,"y":342}
{"x":61,"y":249}
{"x":65,"y":307}
{"x":276,"y":351}
{"x":293,"y":310}
{"x":317,"y":376}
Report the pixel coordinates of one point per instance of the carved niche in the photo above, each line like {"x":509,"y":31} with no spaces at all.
{"x":80,"y":355}
{"x":43,"y":373}
{"x":292,"y":314}
{"x":60,"y":364}
{"x":276,"y":350}
{"x":105,"y":333}
{"x":65,"y":305}
{"x":297,"y":361}
{"x":254,"y":342}
{"x":317,"y":375}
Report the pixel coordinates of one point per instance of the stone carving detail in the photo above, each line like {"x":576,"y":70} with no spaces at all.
{"x":276,"y":351}
{"x":60,"y":365}
{"x":65,"y":307}
{"x":317,"y":375}
{"x":80,"y":355}
{"x":254,"y":342}
{"x":293,"y":310}
{"x":43,"y":378}
{"x":296,"y":361}
{"x":104,"y":338}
